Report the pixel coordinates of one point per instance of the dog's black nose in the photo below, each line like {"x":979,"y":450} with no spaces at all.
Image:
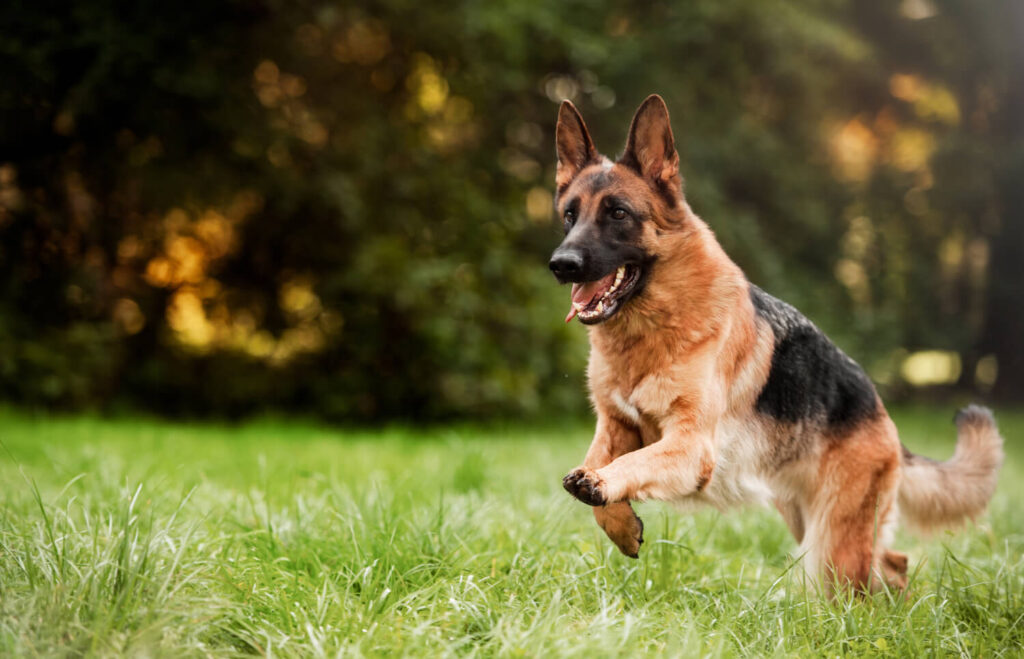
{"x":567,"y":265}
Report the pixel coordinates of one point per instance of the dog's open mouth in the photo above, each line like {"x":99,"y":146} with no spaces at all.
{"x":597,"y":301}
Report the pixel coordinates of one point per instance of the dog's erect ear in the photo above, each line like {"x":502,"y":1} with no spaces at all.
{"x":650,"y":148}
{"x":573,"y":144}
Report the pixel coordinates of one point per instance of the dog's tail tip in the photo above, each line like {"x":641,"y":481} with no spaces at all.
{"x":974,"y":416}
{"x":946,"y":494}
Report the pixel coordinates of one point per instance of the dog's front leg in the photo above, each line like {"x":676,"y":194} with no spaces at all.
{"x":680,"y":464}
{"x":612,"y":439}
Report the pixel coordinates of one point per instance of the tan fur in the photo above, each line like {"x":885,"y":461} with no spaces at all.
{"x":852,"y":506}
{"x":674,"y":378}
{"x":944,"y":494}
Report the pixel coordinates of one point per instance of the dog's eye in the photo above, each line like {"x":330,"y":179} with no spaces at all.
{"x":570,"y":217}
{"x":619,"y":214}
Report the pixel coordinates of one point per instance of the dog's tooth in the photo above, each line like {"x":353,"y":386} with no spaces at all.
{"x":600,"y":306}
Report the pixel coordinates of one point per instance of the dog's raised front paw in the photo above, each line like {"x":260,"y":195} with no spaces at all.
{"x":585,"y":485}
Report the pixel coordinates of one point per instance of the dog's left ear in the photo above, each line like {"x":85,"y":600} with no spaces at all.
{"x":650,"y":148}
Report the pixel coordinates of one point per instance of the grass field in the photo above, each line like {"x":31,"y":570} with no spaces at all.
{"x":150,"y":538}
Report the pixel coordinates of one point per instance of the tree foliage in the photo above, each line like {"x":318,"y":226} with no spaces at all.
{"x":344,"y":208}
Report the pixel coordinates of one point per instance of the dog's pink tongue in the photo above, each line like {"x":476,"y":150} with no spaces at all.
{"x":583,"y":294}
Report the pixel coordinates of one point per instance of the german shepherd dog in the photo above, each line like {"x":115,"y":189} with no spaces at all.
{"x":709,"y":390}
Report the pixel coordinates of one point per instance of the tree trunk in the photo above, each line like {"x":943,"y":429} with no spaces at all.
{"x":1004,"y":315}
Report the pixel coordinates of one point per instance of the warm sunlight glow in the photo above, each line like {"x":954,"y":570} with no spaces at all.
{"x":930,"y":367}
{"x":854,"y":148}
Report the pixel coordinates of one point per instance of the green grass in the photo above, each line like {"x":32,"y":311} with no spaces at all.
{"x":152,"y":538}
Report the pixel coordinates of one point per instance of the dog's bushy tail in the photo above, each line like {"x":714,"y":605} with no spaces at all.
{"x":942,"y":494}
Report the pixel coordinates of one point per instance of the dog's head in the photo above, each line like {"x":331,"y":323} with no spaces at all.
{"x":613,"y":213}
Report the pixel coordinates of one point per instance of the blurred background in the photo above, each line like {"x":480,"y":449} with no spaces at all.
{"x":343,"y":209}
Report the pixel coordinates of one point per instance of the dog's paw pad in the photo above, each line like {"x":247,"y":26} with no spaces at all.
{"x":585,"y":486}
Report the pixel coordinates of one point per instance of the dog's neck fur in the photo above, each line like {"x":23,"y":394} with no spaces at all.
{"x":693,"y":284}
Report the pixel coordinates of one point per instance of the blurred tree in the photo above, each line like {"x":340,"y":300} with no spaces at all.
{"x":345,"y":208}
{"x":960,"y":69}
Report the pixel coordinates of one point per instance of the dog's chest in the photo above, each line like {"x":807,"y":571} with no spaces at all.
{"x":626,"y":407}
{"x":652,"y":397}
{"x":633,"y":408}
{"x":739,"y":448}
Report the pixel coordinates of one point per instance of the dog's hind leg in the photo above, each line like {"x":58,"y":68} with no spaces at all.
{"x":894,"y":568}
{"x":856,"y":499}
{"x":612,"y":439}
